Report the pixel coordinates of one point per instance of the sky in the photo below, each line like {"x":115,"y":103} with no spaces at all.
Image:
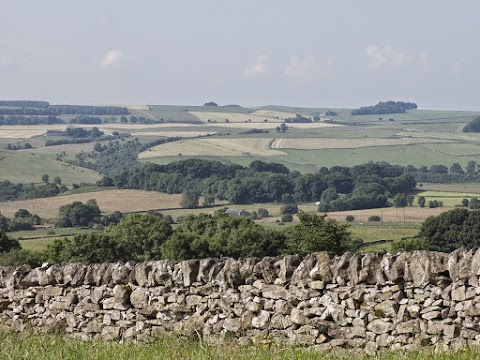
{"x":306,"y":53}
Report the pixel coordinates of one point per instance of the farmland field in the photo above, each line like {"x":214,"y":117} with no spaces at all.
{"x":452,"y":188}
{"x":371,"y":233}
{"x":328,"y":143}
{"x":232,"y":117}
{"x":455,"y":149}
{"x":213,"y":147}
{"x":28,"y":167}
{"x":414,"y":215}
{"x":449,"y":198}
{"x":172,"y":133}
{"x":20,"y":132}
{"x":108,"y":201}
{"x":415,"y":155}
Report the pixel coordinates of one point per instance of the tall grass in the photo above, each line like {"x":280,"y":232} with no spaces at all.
{"x":33,"y":346}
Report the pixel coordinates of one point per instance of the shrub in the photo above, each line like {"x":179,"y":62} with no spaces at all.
{"x":452,"y":229}
{"x":374,"y":218}
{"x":350,"y":218}
{"x":7,"y":244}
{"x":289,"y":209}
{"x":319,"y":233}
{"x":262,"y":213}
{"x":287,"y":218}
{"x":409,"y":245}
{"x":20,"y":257}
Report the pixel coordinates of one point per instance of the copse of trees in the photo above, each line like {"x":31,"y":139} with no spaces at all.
{"x":363,"y":186}
{"x":29,"y":120}
{"x":316,"y":232}
{"x":23,"y":220}
{"x":78,"y":214}
{"x":457,"y":228}
{"x":10,"y":191}
{"x":388,"y":107}
{"x":298,"y":119}
{"x":94,"y":133}
{"x":473,"y":126}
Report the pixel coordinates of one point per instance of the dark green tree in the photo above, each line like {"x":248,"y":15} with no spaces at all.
{"x":139,"y":237}
{"x":262,"y":213}
{"x":289,"y":209}
{"x":400,"y":200}
{"x":421,"y":201}
{"x":473,"y":126}
{"x":79,"y":214}
{"x":410,"y":199}
{"x":84,"y":248}
{"x":452,"y":229}
{"x":474,"y":203}
{"x":318,"y":233}
{"x":189,"y":200}
{"x":456,"y":169}
{"x":7,"y":244}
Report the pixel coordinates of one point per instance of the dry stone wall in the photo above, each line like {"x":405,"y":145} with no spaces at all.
{"x":354,"y":300}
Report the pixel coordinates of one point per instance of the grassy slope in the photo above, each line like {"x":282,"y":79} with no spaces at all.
{"x":24,"y":167}
{"x":36,"y":346}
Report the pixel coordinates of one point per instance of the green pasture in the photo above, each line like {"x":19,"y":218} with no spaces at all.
{"x":453,"y":189}
{"x":416,"y":155}
{"x":177,"y":113}
{"x":38,"y":240}
{"x":449,"y":198}
{"x":37,"y":244}
{"x":28,"y":167}
{"x":371,"y":233}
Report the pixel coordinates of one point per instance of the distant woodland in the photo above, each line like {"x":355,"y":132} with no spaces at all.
{"x":388,"y":107}
{"x":28,"y":107}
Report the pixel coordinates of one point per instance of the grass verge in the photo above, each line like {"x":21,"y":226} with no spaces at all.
{"x":33,"y":346}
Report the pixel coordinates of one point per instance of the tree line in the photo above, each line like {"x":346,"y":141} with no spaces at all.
{"x":22,"y":220}
{"x":25,"y":103}
{"x":148,"y":237}
{"x":362,"y":186}
{"x":388,"y":107}
{"x":29,"y":120}
{"x":10,"y":191}
{"x":44,"y":108}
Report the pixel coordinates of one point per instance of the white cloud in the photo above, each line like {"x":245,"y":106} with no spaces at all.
{"x":258,"y":68}
{"x":387,"y":56}
{"x":111,"y":58}
{"x":456,"y":69}
{"x":301,"y":67}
